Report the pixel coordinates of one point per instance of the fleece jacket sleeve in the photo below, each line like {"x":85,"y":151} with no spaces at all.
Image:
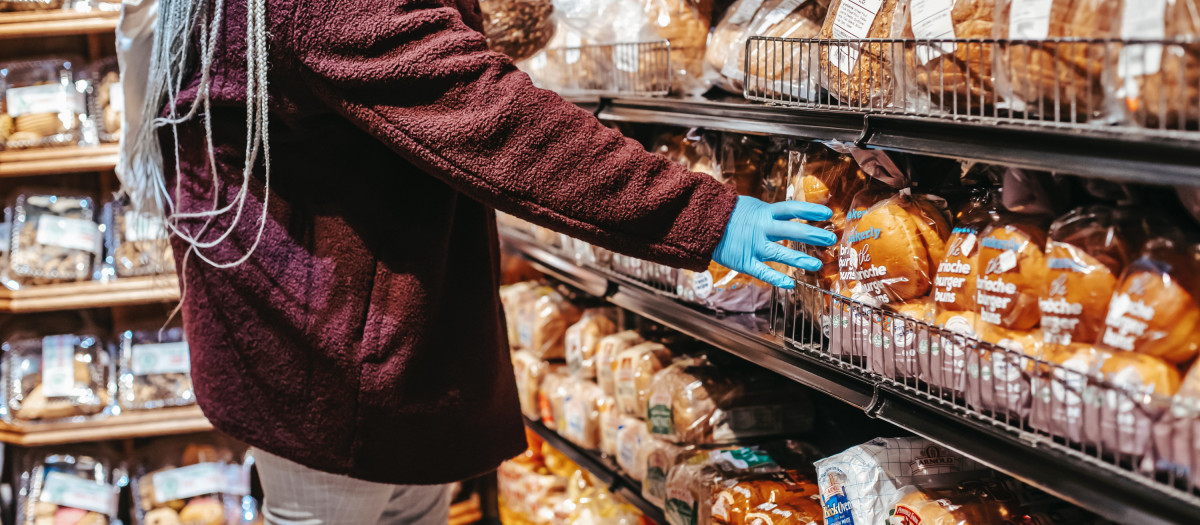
{"x":414,"y":75}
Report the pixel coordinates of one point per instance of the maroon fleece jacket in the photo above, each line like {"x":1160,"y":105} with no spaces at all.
{"x":364,"y":336}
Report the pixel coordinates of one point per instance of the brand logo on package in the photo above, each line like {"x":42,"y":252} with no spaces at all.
{"x":932,"y":459}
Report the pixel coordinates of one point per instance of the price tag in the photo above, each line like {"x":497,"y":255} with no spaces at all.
{"x":66,"y":490}
{"x":72,"y":234}
{"x":189,"y":482}
{"x":162,"y":358}
{"x":853,"y":21}
{"x":1029,"y":19}
{"x":702,"y":283}
{"x":1145,"y":20}
{"x":931,"y":20}
{"x":58,"y":365}
{"x":46,"y":98}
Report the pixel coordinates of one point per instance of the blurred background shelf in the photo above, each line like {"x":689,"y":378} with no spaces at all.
{"x":161,"y":422}
{"x":56,"y":23}
{"x":51,"y":161}
{"x":90,"y":294}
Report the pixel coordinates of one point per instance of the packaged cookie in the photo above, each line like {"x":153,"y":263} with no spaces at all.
{"x":106,"y":99}
{"x":582,"y":340}
{"x":54,"y":238}
{"x":53,"y":375}
{"x":136,"y":242}
{"x":41,"y":99}
{"x":79,"y":486}
{"x":156,"y":369}
{"x":201,"y":480}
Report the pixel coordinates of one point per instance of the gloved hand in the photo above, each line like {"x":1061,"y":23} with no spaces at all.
{"x":755,"y":226}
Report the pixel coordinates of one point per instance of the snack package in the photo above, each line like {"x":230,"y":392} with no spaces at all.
{"x":661,"y":456}
{"x":631,"y":438}
{"x":543,"y":323}
{"x":635,"y":370}
{"x":1153,"y":310}
{"x":611,"y":423}
{"x":956,"y":77}
{"x":892,"y":252}
{"x":684,"y":24}
{"x":692,"y":484}
{"x":858,"y":74}
{"x":779,"y":497}
{"x":551,"y":396}
{"x":80,"y":486}
{"x":1060,"y":81}
{"x":722,"y":289}
{"x":518,"y":28}
{"x":582,"y":340}
{"x":779,"y":69}
{"x":40,"y":99}
{"x":202,"y":480}
{"x":54,"y":375}
{"x":862,"y":483}
{"x":1059,"y":391}
{"x":998,"y":380}
{"x":972,"y":502}
{"x":54,"y":238}
{"x":512,"y":299}
{"x":608,"y":349}
{"x":1122,"y":414}
{"x":1085,"y":254}
{"x":156,"y":369}
{"x":106,"y":100}
{"x":1012,"y":273}
{"x":582,"y":406}
{"x":137,"y":242}
{"x":1159,"y":86}
{"x":530,"y":372}
{"x":727,"y":41}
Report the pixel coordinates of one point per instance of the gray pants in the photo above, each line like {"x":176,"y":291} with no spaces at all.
{"x":298,"y":495}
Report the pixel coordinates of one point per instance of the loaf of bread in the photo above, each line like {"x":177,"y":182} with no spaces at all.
{"x":948,"y":506}
{"x":684,"y":398}
{"x":858,"y":74}
{"x":582,"y":341}
{"x":661,"y":456}
{"x":1161,"y":84}
{"x":1012,"y":272}
{"x":893,"y":250}
{"x":684,"y":24}
{"x":1085,"y":254}
{"x":780,"y":68}
{"x":753,"y":500}
{"x":582,"y":406}
{"x":606,"y":358}
{"x":611,"y":422}
{"x":727,"y":41}
{"x":543,"y":323}
{"x":635,"y":371}
{"x":551,"y":395}
{"x":955,"y":77}
{"x":1153,"y":310}
{"x":631,"y":438}
{"x":1120,"y":420}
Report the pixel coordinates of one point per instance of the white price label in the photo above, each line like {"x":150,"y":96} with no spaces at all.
{"x":162,"y":358}
{"x":58,"y":365}
{"x":744,"y":12}
{"x":4,"y":240}
{"x":46,"y":98}
{"x":968,"y":245}
{"x":189,"y":482}
{"x":1006,"y":261}
{"x":702,"y":284}
{"x":144,"y":227}
{"x":574,"y":41}
{"x":116,"y":96}
{"x":1146,"y":20}
{"x":66,"y":490}
{"x":780,"y":12}
{"x":853,"y":21}
{"x":1029,"y":19}
{"x":72,"y":234}
{"x":931,"y":20}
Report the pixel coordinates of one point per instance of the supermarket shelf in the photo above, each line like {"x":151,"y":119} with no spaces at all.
{"x":1117,"y":494}
{"x":90,"y":294}
{"x":161,"y":422}
{"x":57,"y":23}
{"x":602,"y":468}
{"x":49,"y":161}
{"x":1094,"y":152}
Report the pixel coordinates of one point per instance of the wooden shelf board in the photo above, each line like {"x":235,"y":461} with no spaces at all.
{"x":49,"y":161}
{"x":161,"y":422}
{"x":68,"y":296}
{"x":56,"y":23}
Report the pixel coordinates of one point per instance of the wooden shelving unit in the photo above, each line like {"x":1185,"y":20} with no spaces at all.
{"x":49,"y":161}
{"x":161,"y":422}
{"x":70,"y":296}
{"x":56,"y":23}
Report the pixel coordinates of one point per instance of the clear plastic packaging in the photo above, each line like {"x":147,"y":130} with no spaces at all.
{"x":971,"y":503}
{"x":899,"y":341}
{"x":513,"y":298}
{"x":1086,"y":253}
{"x":106,"y":100}
{"x":954,"y":282}
{"x":551,"y":396}
{"x":611,"y":423}
{"x":54,"y":238}
{"x":725,"y":290}
{"x":53,"y":375}
{"x":30,"y":5}
{"x":692,"y":485}
{"x":156,"y":369}
{"x":518,"y":28}
{"x":1158,"y":86}
{"x":606,"y":358}
{"x":582,"y":340}
{"x":137,"y":242}
{"x":543,"y":322}
{"x":822,"y":176}
{"x":1120,"y":420}
{"x":79,"y":486}
{"x":956,"y":77}
{"x":1060,"y":391}
{"x":779,"y":69}
{"x":635,"y":371}
{"x":859,"y":74}
{"x":1012,"y":272}
{"x":582,"y":405}
{"x":783,"y":497}
{"x":661,"y":456}
{"x":41,"y":99}
{"x":200,"y":480}
{"x":631,"y":438}
{"x":684,"y":24}
{"x":530,"y":372}
{"x":728,"y":41}
{"x":999,"y":381}
{"x":1177,"y":431}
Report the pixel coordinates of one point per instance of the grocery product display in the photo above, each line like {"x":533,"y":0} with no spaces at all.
{"x":42,"y":104}
{"x":203,"y":481}
{"x":53,"y":237}
{"x":51,"y":375}
{"x":77,"y":487}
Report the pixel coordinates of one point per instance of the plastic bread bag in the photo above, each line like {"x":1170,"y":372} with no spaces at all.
{"x":582,"y":406}
{"x":684,"y":25}
{"x":1012,"y":272}
{"x":137,"y":242}
{"x":551,"y":396}
{"x":1060,"y":390}
{"x":42,"y":106}
{"x":635,"y":370}
{"x":530,"y":372}
{"x":742,"y":161}
{"x":606,"y":358}
{"x":954,"y":282}
{"x":543,"y":323}
{"x":155,"y":368}
{"x":823,"y":176}
{"x":661,"y":456}
{"x":71,"y":486}
{"x":767,"y":499}
{"x":849,"y":321}
{"x":54,"y":238}
{"x":52,"y":375}
{"x":692,"y":484}
{"x":1120,"y":417}
{"x":858,"y":74}
{"x":1055,"y":81}
{"x":582,"y":340}
{"x":203,"y":480}
{"x":727,"y":42}
{"x":956,"y":77}
{"x":513,"y":298}
{"x":901,"y":339}
{"x":725,"y":290}
{"x":611,"y":423}
{"x":1153,"y":310}
{"x":1177,"y":431}
{"x":518,"y":28}
{"x":998,"y":378}
{"x":631,"y":438}
{"x":1158,"y":86}
{"x":1087,"y":251}
{"x":862,"y":483}
{"x":972,"y":503}
{"x":106,"y":99}
{"x":779,"y":69}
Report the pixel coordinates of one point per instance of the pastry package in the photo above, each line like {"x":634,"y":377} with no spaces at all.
{"x":74,"y":486}
{"x":998,"y":378}
{"x":1059,"y":391}
{"x":769,"y":498}
{"x":1153,"y":309}
{"x":106,"y":99}
{"x":779,"y":69}
{"x":1177,"y":431}
{"x":1055,"y":81}
{"x":635,"y":371}
{"x":1158,"y":86}
{"x":722,"y":289}
{"x":201,"y":480}
{"x":631,"y":439}
{"x":684,"y":25}
{"x":607,"y":350}
{"x":858,"y":74}
{"x":954,"y":76}
{"x":518,"y":28}
{"x":543,"y":321}
{"x":53,"y":375}
{"x":1086,"y":252}
{"x":530,"y":372}
{"x":155,"y":368}
{"x":582,"y":405}
{"x":137,"y":242}
{"x":1012,"y":272}
{"x":611,"y":423}
{"x":512,"y":299}
{"x":693,"y":483}
{"x":1120,"y":416}
{"x":727,"y":42}
{"x":40,"y":103}
{"x":54,"y":238}
{"x":551,"y":395}
{"x":661,"y":456}
{"x":582,"y":340}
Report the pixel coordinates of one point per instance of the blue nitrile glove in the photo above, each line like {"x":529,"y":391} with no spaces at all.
{"x":755,"y":226}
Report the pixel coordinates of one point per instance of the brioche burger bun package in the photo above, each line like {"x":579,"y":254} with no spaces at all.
{"x":1121,"y":415}
{"x":1059,"y":391}
{"x":1177,"y":431}
{"x":1154,"y":309}
{"x":850,"y":321}
{"x":1012,"y":270}
{"x":998,"y":376}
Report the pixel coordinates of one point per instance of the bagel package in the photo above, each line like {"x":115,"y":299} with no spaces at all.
{"x":1012,"y":272}
{"x":607,"y":350}
{"x":1086,"y":252}
{"x":201,"y":480}
{"x":956,"y":77}
{"x":1159,"y":85}
{"x":635,"y":372}
{"x":858,"y":74}
{"x":1135,"y":394}
{"x":1153,"y":310}
{"x":582,"y":340}
{"x":74,"y":486}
